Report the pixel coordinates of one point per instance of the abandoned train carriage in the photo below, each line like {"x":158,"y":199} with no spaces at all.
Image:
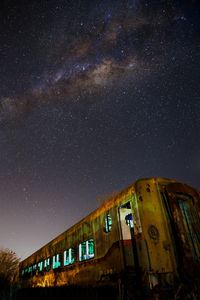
{"x":147,"y":235}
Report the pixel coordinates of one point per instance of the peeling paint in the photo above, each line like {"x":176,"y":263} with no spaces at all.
{"x":147,"y":238}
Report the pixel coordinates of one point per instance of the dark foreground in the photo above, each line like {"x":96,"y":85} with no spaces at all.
{"x":182,"y":292}
{"x":66,"y":293}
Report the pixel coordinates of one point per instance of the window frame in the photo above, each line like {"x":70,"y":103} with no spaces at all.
{"x":87,"y":255}
{"x":56,"y":261}
{"x":47,"y":264}
{"x":40,"y":266}
{"x":108,"y":222}
{"x":70,"y":255}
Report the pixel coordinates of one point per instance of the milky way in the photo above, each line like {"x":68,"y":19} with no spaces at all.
{"x":93,"y":95}
{"x":108,"y":44}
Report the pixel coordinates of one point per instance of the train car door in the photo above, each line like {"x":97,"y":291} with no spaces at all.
{"x":184,"y":208}
{"x":126,"y":221}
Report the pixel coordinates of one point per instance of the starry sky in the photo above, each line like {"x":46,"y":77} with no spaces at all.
{"x":93,"y":95}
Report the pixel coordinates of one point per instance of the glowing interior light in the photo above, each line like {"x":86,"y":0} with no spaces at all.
{"x":108,"y":223}
{"x":47,"y":264}
{"x":40,"y":265}
{"x":80,"y":252}
{"x":69,"y":256}
{"x":86,"y":250}
{"x":56,"y":262}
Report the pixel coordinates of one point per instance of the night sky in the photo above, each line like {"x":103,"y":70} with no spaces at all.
{"x":93,"y":95}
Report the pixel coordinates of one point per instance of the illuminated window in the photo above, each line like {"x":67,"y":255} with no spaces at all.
{"x":69,"y":256}
{"x":56,"y":262}
{"x":23,"y":272}
{"x":47,"y":264}
{"x":86,"y":250}
{"x":108,"y":223}
{"x":40,"y":266}
{"x":30,"y":269}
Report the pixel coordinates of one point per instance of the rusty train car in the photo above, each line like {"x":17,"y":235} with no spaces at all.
{"x":147,"y":238}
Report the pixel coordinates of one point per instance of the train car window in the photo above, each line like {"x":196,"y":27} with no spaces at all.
{"x":47,"y":264}
{"x":25,"y":271}
{"x":129,"y":220}
{"x":82,"y":251}
{"x":69,"y":256}
{"x":40,"y":266}
{"x":126,"y":213}
{"x":86,"y":250}
{"x":126,"y":205}
{"x":30,"y":269}
{"x":34,"y":269}
{"x":56,"y":261}
{"x":90,"y":248}
{"x":107,"y":223}
{"x":191,"y":224}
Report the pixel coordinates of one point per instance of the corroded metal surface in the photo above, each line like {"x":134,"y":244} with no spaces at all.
{"x":154,"y":228}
